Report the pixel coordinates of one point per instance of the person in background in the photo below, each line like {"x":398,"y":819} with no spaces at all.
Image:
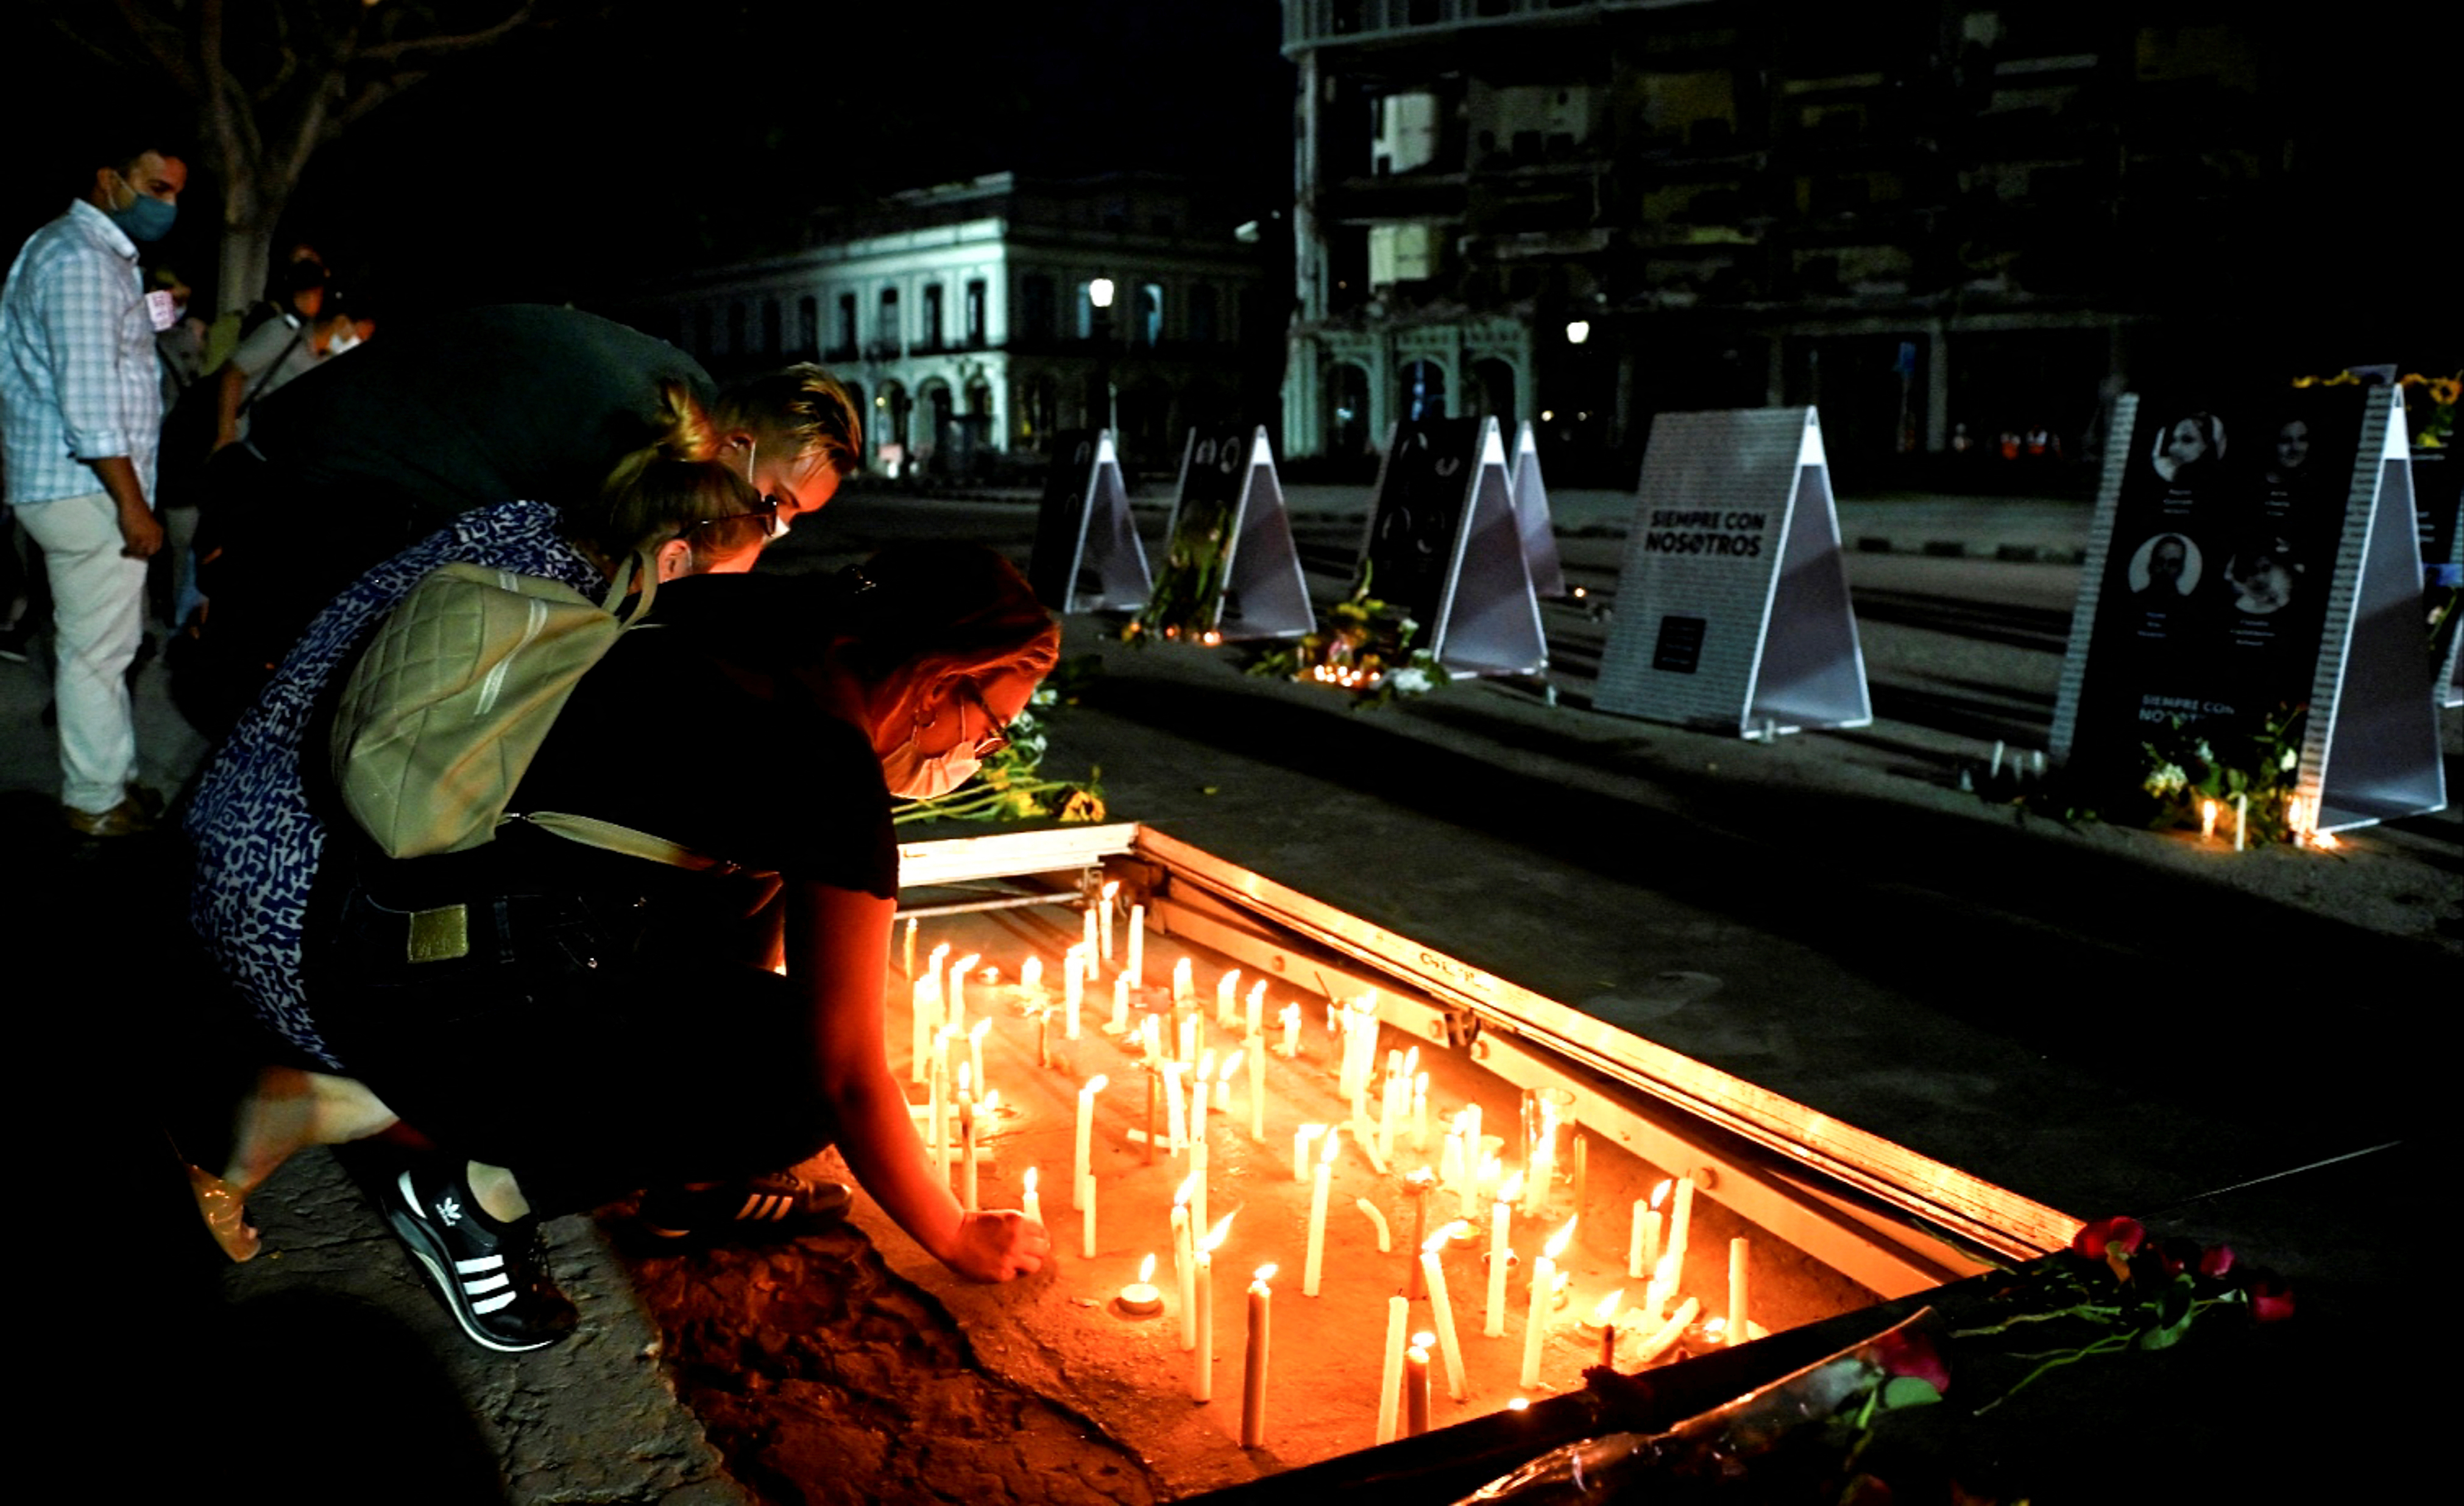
{"x":280,"y":352}
{"x":80,"y":417}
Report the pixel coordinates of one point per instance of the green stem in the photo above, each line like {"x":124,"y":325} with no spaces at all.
{"x":2107,"y":1344}
{"x":2084,"y":1310}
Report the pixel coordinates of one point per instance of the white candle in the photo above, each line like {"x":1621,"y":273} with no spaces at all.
{"x":1737,"y":1325}
{"x":1681,"y":1227}
{"x":1175,"y":1109}
{"x":1253,"y":1371}
{"x":1086,"y":1162}
{"x":1087,"y":1216}
{"x":1086,"y":943}
{"x":1184,"y":982}
{"x":1291,"y":1018}
{"x":1301,"y":1138}
{"x":1201,"y":1372}
{"x":1227,"y":993}
{"x":958,"y":994}
{"x":1390,"y":1381}
{"x":1318,"y":1219}
{"x":1544,"y":1288}
{"x":1642,"y":1244}
{"x":1501,"y":1213}
{"x":975,"y":1049}
{"x":1378,"y":1218}
{"x":1034,"y":1208}
{"x":909,"y":962}
{"x":1073,"y":991}
{"x":1120,"y":1003}
{"x":1185,"y":1033}
{"x":1140,"y":1297}
{"x":1256,"y":1006}
{"x":1136,"y":967}
{"x":1184,"y":1263}
{"x":1668,"y":1333}
{"x":1442,"y":1309}
{"x":2241,"y":819}
{"x":967,"y":1144}
{"x":1030,"y":974}
{"x":1103,"y":918}
{"x":1256,"y":1050}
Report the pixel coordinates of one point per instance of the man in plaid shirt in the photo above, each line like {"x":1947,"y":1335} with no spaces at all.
{"x":80,"y":415}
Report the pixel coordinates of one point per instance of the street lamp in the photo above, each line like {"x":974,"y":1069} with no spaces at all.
{"x":1099,"y":294}
{"x":1578,"y":331}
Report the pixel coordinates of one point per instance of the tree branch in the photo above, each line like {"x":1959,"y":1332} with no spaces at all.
{"x":397,"y":51}
{"x":164,"y":44}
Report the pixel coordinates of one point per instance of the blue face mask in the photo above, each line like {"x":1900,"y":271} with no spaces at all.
{"x":148,"y":219}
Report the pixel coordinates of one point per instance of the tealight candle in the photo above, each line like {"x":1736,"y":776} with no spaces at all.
{"x":1034,"y":1205}
{"x":1389,"y":1380}
{"x":1441,"y":1308}
{"x":1253,"y":1369}
{"x":1141,"y":1298}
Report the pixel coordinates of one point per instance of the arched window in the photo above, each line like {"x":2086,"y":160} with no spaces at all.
{"x":1423,"y":391}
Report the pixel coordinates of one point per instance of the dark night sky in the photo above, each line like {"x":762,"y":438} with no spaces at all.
{"x":569,"y":163}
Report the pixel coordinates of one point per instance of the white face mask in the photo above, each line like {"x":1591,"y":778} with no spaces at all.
{"x":912,"y":777}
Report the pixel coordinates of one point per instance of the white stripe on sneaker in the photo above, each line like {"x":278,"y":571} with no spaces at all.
{"x":490,"y":1304}
{"x":487,"y":1283}
{"x":483,"y":1263}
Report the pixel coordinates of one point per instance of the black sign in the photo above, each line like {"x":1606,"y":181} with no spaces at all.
{"x":1422,"y":488}
{"x":1087,"y":556}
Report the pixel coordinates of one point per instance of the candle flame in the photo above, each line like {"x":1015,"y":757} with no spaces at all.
{"x":1511,"y":1188}
{"x":1228,"y":1067}
{"x":1145,"y":1270}
{"x":1659,"y":1193}
{"x":967,"y":963}
{"x":2324,"y":841}
{"x":1258,"y":991}
{"x":1422,"y":1340}
{"x":1715,"y":1327}
{"x":1519,"y":1404}
{"x":977,"y":1033}
{"x":963,"y":1077}
{"x":1030,"y":1179}
{"x":1206,"y":1063}
{"x":1216,"y":1235}
{"x":1111,"y":887}
{"x":1266,"y":1272}
{"x":1096,"y":1083}
{"x":938,"y":953}
{"x":1563,"y":1237}
{"x":992,"y":1100}
{"x":1608,"y":1307}
{"x":1333,"y":1146}
{"x":1290,"y":1013}
{"x":1438,"y":1241}
{"x":1188,"y":1190}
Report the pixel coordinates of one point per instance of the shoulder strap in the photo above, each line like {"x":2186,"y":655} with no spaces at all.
{"x":591,"y":832}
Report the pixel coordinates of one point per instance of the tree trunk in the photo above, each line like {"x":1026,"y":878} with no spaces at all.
{"x":247,"y":241}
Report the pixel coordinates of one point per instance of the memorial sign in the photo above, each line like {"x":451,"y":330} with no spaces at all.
{"x":1445,"y":547}
{"x":1230,"y":568}
{"x":1087,"y":557}
{"x":1732,"y":602}
{"x":2254,"y":552}
{"x":1531,"y":517}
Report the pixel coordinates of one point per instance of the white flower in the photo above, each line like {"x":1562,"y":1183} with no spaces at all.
{"x":1409,"y":682}
{"x":2167,"y":779}
{"x":2291,"y":756}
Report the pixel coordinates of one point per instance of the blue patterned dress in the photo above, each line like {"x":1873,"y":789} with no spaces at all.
{"x":257,"y":840}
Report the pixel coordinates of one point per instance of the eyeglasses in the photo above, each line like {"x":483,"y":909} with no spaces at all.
{"x":767,"y":513}
{"x":998,"y":738}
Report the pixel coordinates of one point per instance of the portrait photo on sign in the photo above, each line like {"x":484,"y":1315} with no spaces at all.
{"x":2288,"y":457}
{"x":2167,"y":566}
{"x":2265,"y":575}
{"x":2190,"y":449}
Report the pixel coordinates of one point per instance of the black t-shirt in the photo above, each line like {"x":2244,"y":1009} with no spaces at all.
{"x":698,"y":726}
{"x":474,"y":407}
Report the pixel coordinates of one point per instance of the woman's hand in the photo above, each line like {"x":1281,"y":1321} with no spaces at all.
{"x":998,"y":1246}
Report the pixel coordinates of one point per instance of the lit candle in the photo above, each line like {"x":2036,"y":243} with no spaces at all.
{"x":1256,"y":1006}
{"x":2241,"y":819}
{"x":1493,"y":1324}
{"x":933,"y":963}
{"x":1184,"y":1261}
{"x":966,"y":1143}
{"x":1663,"y":1285}
{"x":1389,"y":1378}
{"x":1738,"y":1327}
{"x":1301,"y":1138}
{"x":1073,"y":991}
{"x":1253,"y":1368}
{"x":1543,"y":1287}
{"x":1415,"y":1385}
{"x":1376,"y":1218}
{"x":1175,"y":1109}
{"x":1184,"y":1034}
{"x":1291,"y":1021}
{"x":1604,"y":1318}
{"x":1151,"y":1038}
{"x":1034,"y":1208}
{"x":1085,"y":1163}
{"x":910,"y":963}
{"x":1139,"y":1298}
{"x":958,"y":991}
{"x":1201,"y":1367}
{"x":1441,"y":1309}
{"x":1136,"y":967}
{"x":1184,"y":982}
{"x":1086,"y":943}
{"x":1120,"y":1004}
{"x":1681,"y":1228}
{"x":1104,"y":922}
{"x":1227,"y":993}
{"x":1030,"y":974}
{"x":1642,"y":1244}
{"x":1667,"y":1333}
{"x":2206,"y":819}
{"x":1256,"y":1050}
{"x":1318,"y":1216}
{"x":1087,"y":1216}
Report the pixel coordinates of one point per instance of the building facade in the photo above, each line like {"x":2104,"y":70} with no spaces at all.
{"x":964,"y":316}
{"x":1941,"y":222}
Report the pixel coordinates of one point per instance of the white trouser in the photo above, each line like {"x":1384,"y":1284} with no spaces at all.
{"x":98,"y":619}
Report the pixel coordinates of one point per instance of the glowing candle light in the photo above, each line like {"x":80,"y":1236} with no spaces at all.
{"x":1073,"y":991}
{"x":1501,"y":1213}
{"x":1135,"y":970}
{"x":1120,"y":1005}
{"x":1441,"y":1308}
{"x":1415,"y":1385}
{"x":1034,"y":1204}
{"x":932,"y":962}
{"x":956,"y":993}
{"x":1253,"y":1368}
{"x":1543,"y":1287}
{"x":2207,"y":821}
{"x":1318,"y":1216}
{"x":1227,"y":992}
{"x":1604,"y":1318}
{"x":1201,"y":1369}
{"x":1642,"y":1244}
{"x":909,"y":965}
{"x":1085,"y":1169}
{"x":1290,"y":1017}
{"x":1739,"y":1329}
{"x":1104,"y":921}
{"x":1086,"y":943}
{"x":1030,"y":974}
{"x":1151,"y":1038}
{"x":966,"y":1143}
{"x":1301,"y":1138}
{"x":1140,"y":1296}
{"x":1256,"y":1005}
{"x":1389,"y":1378}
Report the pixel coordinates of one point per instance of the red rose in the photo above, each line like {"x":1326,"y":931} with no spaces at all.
{"x":2270,"y":1297}
{"x":2117,"y":1233}
{"x":1912,"y":1355}
{"x":2216,"y":1260}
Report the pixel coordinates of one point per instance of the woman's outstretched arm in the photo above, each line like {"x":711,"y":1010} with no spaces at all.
{"x":838,"y":953}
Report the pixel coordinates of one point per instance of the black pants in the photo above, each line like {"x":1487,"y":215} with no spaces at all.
{"x":568,"y":1044}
